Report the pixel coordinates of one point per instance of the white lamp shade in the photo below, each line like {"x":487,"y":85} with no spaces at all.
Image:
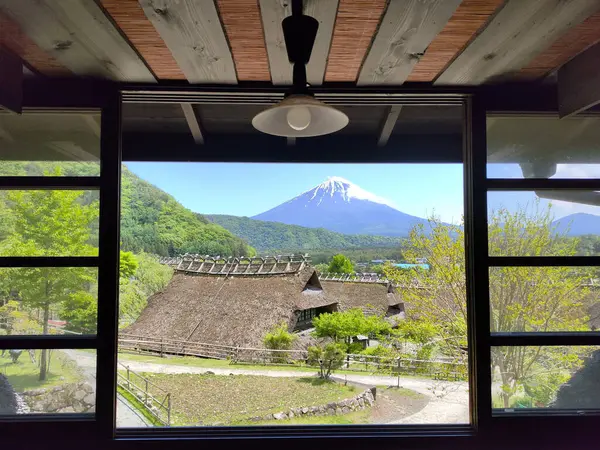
{"x":300,"y":116}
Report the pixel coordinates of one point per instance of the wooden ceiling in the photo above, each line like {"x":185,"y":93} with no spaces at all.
{"x":366,"y":42}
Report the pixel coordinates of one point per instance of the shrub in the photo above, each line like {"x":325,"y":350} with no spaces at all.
{"x":328,"y":358}
{"x":279,"y":338}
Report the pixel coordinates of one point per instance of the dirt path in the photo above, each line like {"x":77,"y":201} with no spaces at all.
{"x":448,"y":401}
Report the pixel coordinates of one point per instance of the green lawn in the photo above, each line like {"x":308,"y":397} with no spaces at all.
{"x":357,"y":417}
{"x":24,"y":374}
{"x":200,"y":399}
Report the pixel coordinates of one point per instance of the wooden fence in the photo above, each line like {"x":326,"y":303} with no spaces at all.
{"x":437,"y":369}
{"x":157,"y":403}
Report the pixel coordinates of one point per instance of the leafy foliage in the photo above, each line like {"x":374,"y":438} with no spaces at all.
{"x":521,"y":298}
{"x":127,"y":264}
{"x":341,"y":264}
{"x":149,"y":278}
{"x":342,"y":326}
{"x":279,"y":338}
{"x":276,"y":236}
{"x":328,"y":358}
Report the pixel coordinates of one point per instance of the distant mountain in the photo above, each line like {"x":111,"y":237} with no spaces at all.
{"x":275,"y":236}
{"x":341,"y":206}
{"x":578,"y":224}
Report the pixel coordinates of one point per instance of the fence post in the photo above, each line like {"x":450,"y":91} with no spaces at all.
{"x":169,"y":409}
{"x":128,"y":381}
{"x":146,"y":393}
{"x":161,"y":348}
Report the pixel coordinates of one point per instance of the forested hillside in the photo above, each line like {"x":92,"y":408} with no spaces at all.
{"x":269,"y":236}
{"x":152,"y":221}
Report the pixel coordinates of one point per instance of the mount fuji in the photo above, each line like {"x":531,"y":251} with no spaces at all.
{"x":341,"y":206}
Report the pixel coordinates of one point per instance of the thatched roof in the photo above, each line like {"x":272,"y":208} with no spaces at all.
{"x":581,"y":391}
{"x":235,"y":310}
{"x":240,"y":309}
{"x":372,"y":298}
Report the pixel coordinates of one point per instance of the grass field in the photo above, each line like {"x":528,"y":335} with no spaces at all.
{"x":224,"y":400}
{"x":24,"y":374}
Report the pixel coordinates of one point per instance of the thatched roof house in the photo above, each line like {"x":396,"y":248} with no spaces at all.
{"x":237,"y":305}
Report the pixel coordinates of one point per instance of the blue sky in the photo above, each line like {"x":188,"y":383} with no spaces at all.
{"x":419,"y":189}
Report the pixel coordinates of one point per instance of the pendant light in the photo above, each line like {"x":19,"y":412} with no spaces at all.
{"x":299,"y":114}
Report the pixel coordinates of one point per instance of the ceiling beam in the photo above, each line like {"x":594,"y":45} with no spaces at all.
{"x":388,"y":124}
{"x":80,"y":36}
{"x":11,"y":81}
{"x":192,"y":30}
{"x":514,"y":37}
{"x":193,"y":120}
{"x":273,"y":12}
{"x":92,"y":123}
{"x":406,"y":31}
{"x":579,"y":82}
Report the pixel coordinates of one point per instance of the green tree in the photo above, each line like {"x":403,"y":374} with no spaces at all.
{"x":328,"y":358}
{"x":127,"y":264}
{"x":342,"y":326}
{"x":279,"y":338}
{"x":149,"y":278}
{"x":341,"y":264}
{"x":49,"y":223}
{"x":521,"y":298}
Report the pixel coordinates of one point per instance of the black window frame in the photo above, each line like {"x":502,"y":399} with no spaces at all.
{"x":487,"y":429}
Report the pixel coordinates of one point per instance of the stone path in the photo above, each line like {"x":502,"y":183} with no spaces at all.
{"x":127,"y":415}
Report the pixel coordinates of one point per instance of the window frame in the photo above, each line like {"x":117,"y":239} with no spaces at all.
{"x":487,"y":429}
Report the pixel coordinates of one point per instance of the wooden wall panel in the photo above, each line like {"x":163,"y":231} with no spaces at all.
{"x":130,"y":17}
{"x":355,"y":26}
{"x":13,"y":38}
{"x":243,"y":26}
{"x":569,"y":45}
{"x":470,"y":17}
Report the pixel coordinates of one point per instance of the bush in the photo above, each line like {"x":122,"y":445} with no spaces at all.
{"x":279,"y":338}
{"x":328,"y":358}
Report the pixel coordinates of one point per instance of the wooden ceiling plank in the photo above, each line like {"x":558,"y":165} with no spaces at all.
{"x":389,"y":123}
{"x":241,"y":20}
{"x":355,"y":25}
{"x":579,"y":83}
{"x":79,"y":36}
{"x":13,"y":38}
{"x":192,"y":30}
{"x":132,"y":21}
{"x":405,"y":32}
{"x":273,"y":12}
{"x":569,"y":45}
{"x":516,"y":34}
{"x":193,"y":120}
{"x":468,"y":19}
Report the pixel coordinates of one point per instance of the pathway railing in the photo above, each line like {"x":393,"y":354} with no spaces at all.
{"x":154,"y":399}
{"x":438,"y":369}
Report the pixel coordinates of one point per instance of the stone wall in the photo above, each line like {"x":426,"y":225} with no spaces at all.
{"x":8,"y":398}
{"x":67,"y":398}
{"x":363,"y":400}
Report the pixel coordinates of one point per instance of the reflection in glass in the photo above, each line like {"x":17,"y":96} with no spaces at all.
{"x":545,"y":377}
{"x":544,"y":223}
{"x":49,"y":223}
{"x":48,"y":300}
{"x":47,"y":381}
{"x":541,"y":299}
{"x":543,"y":147}
{"x":36,"y":144}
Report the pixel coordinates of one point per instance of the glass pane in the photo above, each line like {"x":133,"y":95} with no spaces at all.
{"x":545,"y":377}
{"x":543,"y":147}
{"x":541,"y":299}
{"x":48,"y":300}
{"x":49,"y":223}
{"x":50,"y":144}
{"x":47,"y":381}
{"x":544,"y":223}
{"x":228,"y":335}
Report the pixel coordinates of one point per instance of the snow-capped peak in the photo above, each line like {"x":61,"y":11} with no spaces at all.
{"x":348,"y":191}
